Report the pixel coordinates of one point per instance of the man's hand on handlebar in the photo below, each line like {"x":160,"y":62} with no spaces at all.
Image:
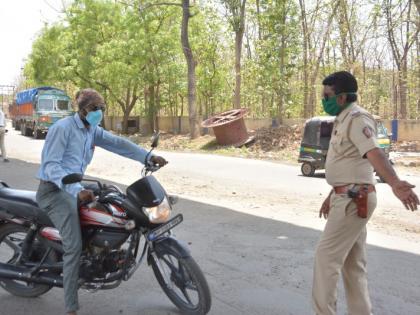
{"x":158,"y":161}
{"x":86,"y":196}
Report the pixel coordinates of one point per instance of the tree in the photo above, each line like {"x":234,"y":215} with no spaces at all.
{"x":191,"y":63}
{"x":312,"y":53}
{"x":236,"y":9}
{"x":274,"y":64}
{"x":401,"y":38}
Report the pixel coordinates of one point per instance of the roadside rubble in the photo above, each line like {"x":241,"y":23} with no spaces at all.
{"x":280,"y":144}
{"x":275,"y":139}
{"x":406,"y":146}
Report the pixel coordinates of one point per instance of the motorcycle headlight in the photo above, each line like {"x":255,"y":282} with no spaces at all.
{"x":160,"y":213}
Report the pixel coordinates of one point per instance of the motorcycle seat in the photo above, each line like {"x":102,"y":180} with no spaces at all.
{"x":22,"y":203}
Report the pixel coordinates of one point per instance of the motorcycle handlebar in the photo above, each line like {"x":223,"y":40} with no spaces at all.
{"x":151,"y":167}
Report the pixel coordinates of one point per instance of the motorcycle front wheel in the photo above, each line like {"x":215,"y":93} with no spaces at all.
{"x":183,"y":282}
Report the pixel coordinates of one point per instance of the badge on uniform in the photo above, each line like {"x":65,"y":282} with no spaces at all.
{"x":367,"y":132}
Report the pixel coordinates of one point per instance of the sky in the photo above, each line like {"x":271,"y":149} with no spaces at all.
{"x":20,"y":22}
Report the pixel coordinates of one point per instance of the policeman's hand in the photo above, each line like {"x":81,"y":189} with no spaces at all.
{"x":404,"y":191}
{"x":325,"y":208}
{"x":158,"y":160}
{"x":86,"y":196}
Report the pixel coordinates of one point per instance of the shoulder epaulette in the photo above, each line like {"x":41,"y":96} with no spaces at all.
{"x":355,"y":113}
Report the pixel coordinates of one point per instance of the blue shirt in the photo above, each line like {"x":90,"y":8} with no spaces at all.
{"x":69,"y":148}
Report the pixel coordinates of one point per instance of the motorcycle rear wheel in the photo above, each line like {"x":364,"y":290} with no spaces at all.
{"x":186,"y":278}
{"x":11,"y":239}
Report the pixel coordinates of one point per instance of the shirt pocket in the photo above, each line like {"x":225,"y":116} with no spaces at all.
{"x":343,"y":146}
{"x":336,"y":143}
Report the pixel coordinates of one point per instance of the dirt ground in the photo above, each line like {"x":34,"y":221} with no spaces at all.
{"x":275,"y":144}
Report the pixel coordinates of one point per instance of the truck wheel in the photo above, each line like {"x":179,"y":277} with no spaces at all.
{"x":307,"y":169}
{"x":37,"y":134}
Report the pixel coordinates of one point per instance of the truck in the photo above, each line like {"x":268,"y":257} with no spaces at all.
{"x":37,"y":109}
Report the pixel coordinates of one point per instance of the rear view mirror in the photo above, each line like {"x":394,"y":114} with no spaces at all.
{"x":155,"y":139}
{"x":72,"y":178}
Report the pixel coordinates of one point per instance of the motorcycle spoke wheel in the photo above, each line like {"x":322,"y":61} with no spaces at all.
{"x":183,"y":282}
{"x":180,"y":280}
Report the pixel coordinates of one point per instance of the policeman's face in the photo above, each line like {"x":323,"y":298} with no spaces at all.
{"x":328,"y":92}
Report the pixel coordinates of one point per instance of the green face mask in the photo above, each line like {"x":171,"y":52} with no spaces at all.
{"x":331,"y":107}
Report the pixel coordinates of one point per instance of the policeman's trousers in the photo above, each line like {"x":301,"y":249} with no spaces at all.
{"x":61,"y":207}
{"x":342,"y":249}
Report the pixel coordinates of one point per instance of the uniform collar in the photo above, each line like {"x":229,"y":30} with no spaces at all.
{"x":79,"y":122}
{"x":345,"y":112}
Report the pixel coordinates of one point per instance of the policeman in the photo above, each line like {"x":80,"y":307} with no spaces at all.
{"x":353,"y":155}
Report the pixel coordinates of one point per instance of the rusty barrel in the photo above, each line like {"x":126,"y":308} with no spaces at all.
{"x":229,"y":127}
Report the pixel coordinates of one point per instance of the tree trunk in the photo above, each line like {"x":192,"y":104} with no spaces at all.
{"x":280,"y":109}
{"x":418,"y":66}
{"x":395,"y":97}
{"x":126,"y":115}
{"x":151,"y":108}
{"x":182,"y":115}
{"x":305,"y":60}
{"x":157,"y":111}
{"x":259,"y":19}
{"x":402,"y":82}
{"x":238,"y":52}
{"x":191,"y":64}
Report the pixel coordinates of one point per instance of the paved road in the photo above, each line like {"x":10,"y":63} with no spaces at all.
{"x":254,"y":264}
{"x":266,"y":189}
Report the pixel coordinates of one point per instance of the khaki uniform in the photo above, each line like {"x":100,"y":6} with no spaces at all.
{"x":342,"y":244}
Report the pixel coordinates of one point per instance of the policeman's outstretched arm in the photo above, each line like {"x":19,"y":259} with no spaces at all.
{"x":402,"y":189}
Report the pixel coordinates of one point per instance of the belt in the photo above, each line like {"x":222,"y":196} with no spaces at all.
{"x":345,"y":188}
{"x":45,"y":182}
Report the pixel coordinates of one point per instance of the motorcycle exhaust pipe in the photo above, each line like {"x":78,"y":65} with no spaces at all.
{"x":23,"y":274}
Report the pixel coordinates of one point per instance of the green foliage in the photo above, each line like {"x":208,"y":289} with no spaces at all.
{"x":131,"y":52}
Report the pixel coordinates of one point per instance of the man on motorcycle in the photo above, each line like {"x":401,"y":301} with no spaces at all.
{"x":69,"y":148}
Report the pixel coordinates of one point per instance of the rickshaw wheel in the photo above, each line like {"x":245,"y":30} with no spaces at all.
{"x":307,"y":169}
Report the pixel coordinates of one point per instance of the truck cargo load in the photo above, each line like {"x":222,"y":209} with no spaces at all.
{"x":35,"y":110}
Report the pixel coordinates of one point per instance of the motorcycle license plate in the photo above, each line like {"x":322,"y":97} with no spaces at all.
{"x":155,"y":233}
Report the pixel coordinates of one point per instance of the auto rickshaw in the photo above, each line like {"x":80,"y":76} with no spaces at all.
{"x":316,"y":140}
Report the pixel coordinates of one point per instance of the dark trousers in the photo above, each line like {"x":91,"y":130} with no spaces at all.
{"x":61,"y":207}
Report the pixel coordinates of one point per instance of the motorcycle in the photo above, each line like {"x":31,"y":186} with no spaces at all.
{"x":119,"y":231}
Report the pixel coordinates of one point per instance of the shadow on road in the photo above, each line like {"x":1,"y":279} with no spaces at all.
{"x":316,"y":175}
{"x":254,"y":266}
